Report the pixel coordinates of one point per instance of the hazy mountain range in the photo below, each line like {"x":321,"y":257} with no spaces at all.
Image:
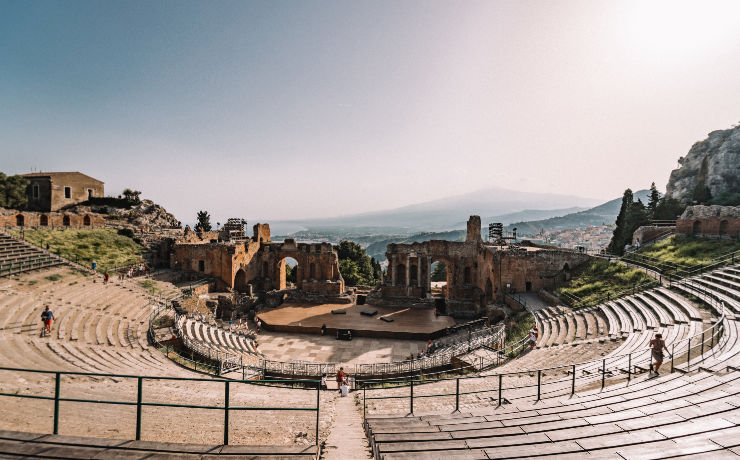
{"x":501,"y":205}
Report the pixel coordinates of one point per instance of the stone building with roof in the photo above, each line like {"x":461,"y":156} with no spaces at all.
{"x":52,"y":191}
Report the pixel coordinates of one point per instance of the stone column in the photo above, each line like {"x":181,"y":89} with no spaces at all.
{"x":418,"y":271}
{"x":428,"y":280}
{"x":392,"y":270}
{"x":408,"y":270}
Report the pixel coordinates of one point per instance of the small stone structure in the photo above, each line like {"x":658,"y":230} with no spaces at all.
{"x":477,"y":272}
{"x":720,"y":221}
{"x":256,"y":263}
{"x":52,"y":191}
{"x":13,"y":218}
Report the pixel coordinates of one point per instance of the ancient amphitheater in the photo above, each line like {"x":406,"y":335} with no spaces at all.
{"x":99,"y":388}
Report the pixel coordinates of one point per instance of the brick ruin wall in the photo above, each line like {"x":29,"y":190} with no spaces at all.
{"x":477,"y":272}
{"x":258,"y":263}
{"x":10,"y":218}
{"x":712,"y":221}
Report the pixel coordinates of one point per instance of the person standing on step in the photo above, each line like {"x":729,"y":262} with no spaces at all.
{"x":657,"y":345}
{"x":46,"y":317}
{"x":340,"y":378}
{"x":94,"y":265}
{"x":533,"y":336}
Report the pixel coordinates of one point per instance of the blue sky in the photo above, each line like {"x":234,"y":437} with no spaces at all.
{"x":277,"y":110}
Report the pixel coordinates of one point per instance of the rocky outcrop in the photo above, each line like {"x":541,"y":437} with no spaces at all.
{"x":713,"y":163}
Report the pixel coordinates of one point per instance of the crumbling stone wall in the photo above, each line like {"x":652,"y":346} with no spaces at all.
{"x":260,"y":263}
{"x":12,"y":218}
{"x":722,"y":221}
{"x":477,"y":272}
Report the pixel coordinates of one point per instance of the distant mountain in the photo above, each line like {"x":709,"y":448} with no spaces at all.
{"x":449,"y":213}
{"x":526,"y":215}
{"x":600,"y":215}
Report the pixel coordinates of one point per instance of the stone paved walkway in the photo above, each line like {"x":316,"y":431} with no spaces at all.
{"x":347,"y":438}
{"x":282,"y":346}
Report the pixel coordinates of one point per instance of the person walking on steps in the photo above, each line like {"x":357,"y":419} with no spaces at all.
{"x":46,"y":317}
{"x":657,"y":345}
{"x":533,"y":336}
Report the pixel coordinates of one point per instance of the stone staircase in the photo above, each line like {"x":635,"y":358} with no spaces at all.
{"x":17,"y":256}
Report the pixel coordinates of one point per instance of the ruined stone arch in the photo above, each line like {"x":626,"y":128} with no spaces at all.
{"x":86,"y":221}
{"x":696,"y":227}
{"x":65,"y":221}
{"x":20,"y":220}
{"x":467,"y":279}
{"x":724,"y":227}
{"x":44,"y":220}
{"x":240,"y":280}
{"x":566,"y":272}
{"x":400,"y":272}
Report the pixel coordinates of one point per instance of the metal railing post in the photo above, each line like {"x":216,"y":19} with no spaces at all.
{"x":603,"y":372}
{"x":673,"y":354}
{"x":139,"y":388}
{"x":318,"y":405}
{"x":457,"y":394}
{"x":573,"y":383}
{"x":539,"y":383}
{"x":702,"y":344}
{"x":57,"y":388}
{"x":364,"y":403}
{"x":688,"y":356}
{"x":500,"y":384}
{"x":226,"y":412}
{"x":629,"y":367}
{"x":412,"y":394}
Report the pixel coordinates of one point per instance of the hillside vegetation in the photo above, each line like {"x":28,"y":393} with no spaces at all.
{"x":597,"y":278}
{"x":103,"y":245}
{"x":688,"y":251}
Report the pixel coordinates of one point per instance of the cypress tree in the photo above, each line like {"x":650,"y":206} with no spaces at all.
{"x":616,"y":245}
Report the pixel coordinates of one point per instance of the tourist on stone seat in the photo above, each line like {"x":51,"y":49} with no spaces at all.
{"x":657,"y":345}
{"x":323,"y":381}
{"x":323,"y":329}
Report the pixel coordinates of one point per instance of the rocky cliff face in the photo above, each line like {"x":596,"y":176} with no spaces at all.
{"x":715,"y":162}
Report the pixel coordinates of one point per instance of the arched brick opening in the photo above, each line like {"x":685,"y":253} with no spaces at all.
{"x":86,"y":221}
{"x":240,"y":281}
{"x":413,"y":278}
{"x":65,"y":221}
{"x":723,"y":227}
{"x":489,"y":290}
{"x":44,"y":220}
{"x":696,"y":228}
{"x":20,"y":220}
{"x":400,"y":275}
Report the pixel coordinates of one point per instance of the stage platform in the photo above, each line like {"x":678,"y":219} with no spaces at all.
{"x":408,"y":323}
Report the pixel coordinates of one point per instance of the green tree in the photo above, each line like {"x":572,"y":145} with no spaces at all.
{"x":440,"y":272}
{"x":204,"y":221}
{"x":13,"y":191}
{"x":616,"y":245}
{"x":132,"y":196}
{"x":653,"y":201}
{"x":291,"y":273}
{"x":356,"y":267}
{"x":668,"y":209}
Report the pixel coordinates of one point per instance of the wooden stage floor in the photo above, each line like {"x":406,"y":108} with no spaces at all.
{"x":307,"y":318}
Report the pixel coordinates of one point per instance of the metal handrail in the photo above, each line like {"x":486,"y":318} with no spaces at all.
{"x":599,"y":365}
{"x":140,"y":403}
